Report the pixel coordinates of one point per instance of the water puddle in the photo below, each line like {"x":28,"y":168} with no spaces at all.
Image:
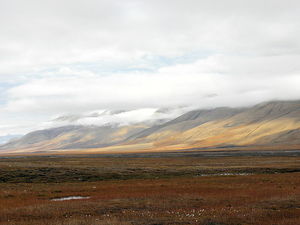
{"x":224,"y":174}
{"x":69,"y":198}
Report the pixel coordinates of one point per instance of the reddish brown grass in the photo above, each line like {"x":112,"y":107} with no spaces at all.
{"x":264,"y":199}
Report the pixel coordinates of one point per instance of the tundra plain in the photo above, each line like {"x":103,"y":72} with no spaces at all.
{"x":197,"y":187}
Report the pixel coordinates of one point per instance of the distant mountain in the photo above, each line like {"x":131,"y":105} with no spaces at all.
{"x":274,"y":123}
{"x":263,"y":124}
{"x":73,"y":137}
{"x":7,"y":138}
{"x":188,"y":121}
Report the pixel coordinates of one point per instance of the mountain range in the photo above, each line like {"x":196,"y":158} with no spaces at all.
{"x":6,"y":138}
{"x":271,"y":124}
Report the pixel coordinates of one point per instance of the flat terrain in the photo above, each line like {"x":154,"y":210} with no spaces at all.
{"x":195,"y":187}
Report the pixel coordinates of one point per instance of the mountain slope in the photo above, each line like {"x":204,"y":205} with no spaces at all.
{"x":267,"y":124}
{"x":6,"y":138}
{"x":227,"y":127}
{"x":185,"y":122}
{"x":73,"y":137}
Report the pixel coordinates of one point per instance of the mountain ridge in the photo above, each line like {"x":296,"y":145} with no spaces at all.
{"x":272,"y":123}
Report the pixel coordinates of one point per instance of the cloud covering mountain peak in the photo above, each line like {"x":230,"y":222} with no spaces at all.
{"x":147,"y":116}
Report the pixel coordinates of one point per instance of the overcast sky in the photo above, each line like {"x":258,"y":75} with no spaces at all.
{"x":66,"y":57}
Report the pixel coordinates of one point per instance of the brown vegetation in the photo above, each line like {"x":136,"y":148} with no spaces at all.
{"x":270,"y":194}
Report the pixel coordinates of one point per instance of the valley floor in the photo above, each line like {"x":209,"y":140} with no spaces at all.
{"x":143,"y":189}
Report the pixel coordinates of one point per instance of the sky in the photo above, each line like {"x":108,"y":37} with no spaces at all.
{"x":149,"y":59}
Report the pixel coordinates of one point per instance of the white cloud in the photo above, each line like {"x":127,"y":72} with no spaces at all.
{"x":227,"y":78}
{"x":145,"y":116}
{"x":39,"y":34}
{"x":73,"y":57}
